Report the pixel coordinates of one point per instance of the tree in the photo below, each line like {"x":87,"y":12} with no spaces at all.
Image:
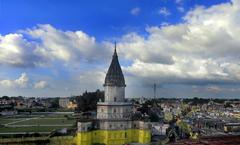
{"x":185,"y":128}
{"x":153,"y":117}
{"x":168,"y":116}
{"x":88,"y":100}
{"x":5,"y":98}
{"x":228,"y":105}
{"x":55,"y":103}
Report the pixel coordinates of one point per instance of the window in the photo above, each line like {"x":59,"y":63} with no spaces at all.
{"x":125,"y":135}
{"x":102,"y":110}
{"x":110,"y":126}
{"x":114,"y":111}
{"x":115,"y":99}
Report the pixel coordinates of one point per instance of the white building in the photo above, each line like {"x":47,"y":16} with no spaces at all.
{"x":63,"y":102}
{"x":114,"y":115}
{"x":114,"y":108}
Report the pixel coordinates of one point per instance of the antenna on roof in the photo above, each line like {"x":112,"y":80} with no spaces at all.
{"x":154,"y":90}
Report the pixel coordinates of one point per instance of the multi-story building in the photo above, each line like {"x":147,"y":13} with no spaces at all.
{"x":114,"y":124}
{"x":63,"y":102}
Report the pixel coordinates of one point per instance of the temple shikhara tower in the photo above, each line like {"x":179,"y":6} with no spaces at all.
{"x":113,"y":124}
{"x":114,"y":112}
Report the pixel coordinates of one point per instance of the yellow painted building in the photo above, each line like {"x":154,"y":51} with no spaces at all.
{"x":117,"y":137}
{"x":114,"y":137}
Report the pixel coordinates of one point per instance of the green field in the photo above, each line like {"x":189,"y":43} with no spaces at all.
{"x":46,"y":121}
{"x":8,"y":120}
{"x":41,"y":123}
{"x":28,"y":129}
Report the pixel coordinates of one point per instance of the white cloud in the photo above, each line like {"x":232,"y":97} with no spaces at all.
{"x":164,"y":11}
{"x":180,"y":9}
{"x":204,"y":49}
{"x":7,"y":83}
{"x":135,"y":11}
{"x":92,"y":79}
{"x":40,"y":85}
{"x":21,"y":82}
{"x":16,"y":51}
{"x":49,"y":45}
{"x":180,"y":5}
{"x":214,"y":89}
{"x":135,"y":47}
{"x":66,"y":46}
{"x":187,"y":71}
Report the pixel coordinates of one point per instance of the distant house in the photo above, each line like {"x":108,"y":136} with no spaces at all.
{"x":63,"y":102}
{"x":4,"y":102}
{"x":159,"y":128}
{"x":72,"y":105}
{"x":7,"y":110}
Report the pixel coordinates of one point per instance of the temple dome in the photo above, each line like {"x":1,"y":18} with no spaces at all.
{"x":114,"y":75}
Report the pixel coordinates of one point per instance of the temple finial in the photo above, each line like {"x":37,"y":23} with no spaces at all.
{"x":115,"y":47}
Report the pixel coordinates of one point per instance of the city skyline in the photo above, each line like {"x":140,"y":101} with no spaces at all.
{"x":189,"y":48}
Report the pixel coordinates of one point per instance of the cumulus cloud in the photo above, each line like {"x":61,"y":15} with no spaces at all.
{"x":21,"y":82}
{"x":202,"y":50}
{"x":135,"y":11}
{"x":67,"y":46}
{"x":214,"y":89}
{"x":40,"y":85}
{"x":164,"y":11}
{"x":92,"y":79}
{"x":17,"y":51}
{"x":135,"y":47}
{"x":180,"y":5}
{"x":49,"y":45}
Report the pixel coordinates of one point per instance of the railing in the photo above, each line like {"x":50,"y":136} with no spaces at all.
{"x":115,"y":103}
{"x":101,"y":115}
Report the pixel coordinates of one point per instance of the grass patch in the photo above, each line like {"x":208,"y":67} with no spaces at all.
{"x":46,"y":121}
{"x":49,"y":120}
{"x":29,"y":129}
{"x":8,"y":120}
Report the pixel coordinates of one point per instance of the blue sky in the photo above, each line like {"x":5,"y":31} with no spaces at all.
{"x":103,"y":19}
{"x":59,"y":47}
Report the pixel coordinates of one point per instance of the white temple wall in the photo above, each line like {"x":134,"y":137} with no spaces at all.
{"x":114,"y":112}
{"x":114,"y":94}
{"x":119,"y":125}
